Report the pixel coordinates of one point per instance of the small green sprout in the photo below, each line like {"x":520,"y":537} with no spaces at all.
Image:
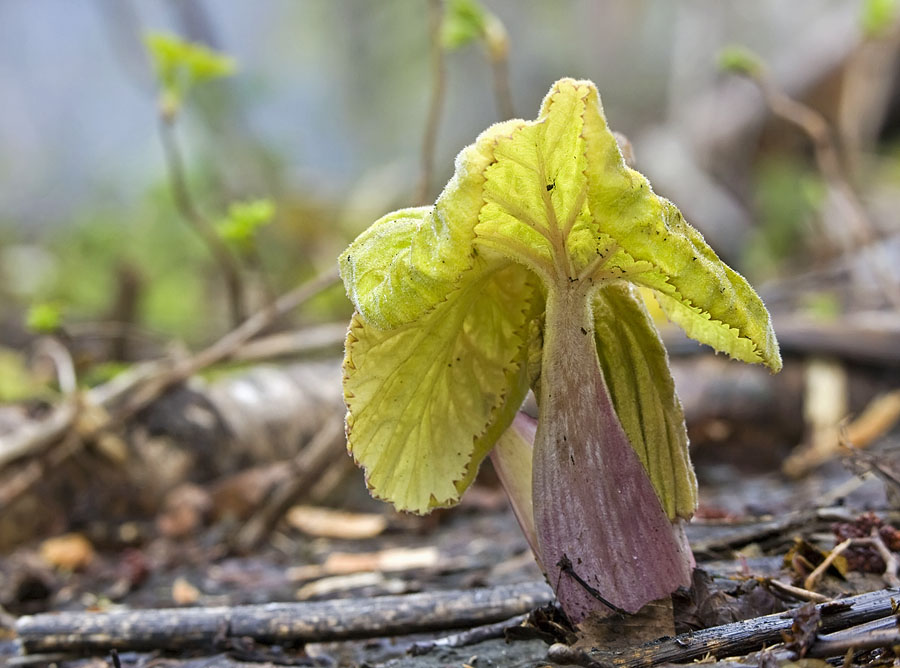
{"x":878,"y":16}
{"x":180,"y":64}
{"x":44,"y":317}
{"x":524,"y":275}
{"x":466,"y":21}
{"x":239,"y":227}
{"x":736,"y":59}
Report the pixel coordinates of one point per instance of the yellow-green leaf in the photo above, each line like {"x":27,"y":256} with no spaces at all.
{"x":535,"y":192}
{"x":658,"y":249}
{"x":636,"y":369}
{"x":409,"y":261}
{"x":427,"y":400}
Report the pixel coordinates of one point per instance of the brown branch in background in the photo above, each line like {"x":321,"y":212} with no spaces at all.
{"x":502,"y":93}
{"x":828,"y":160}
{"x":308,"y":466}
{"x":228,"y":265}
{"x":110,"y":404}
{"x":228,"y":344}
{"x":436,"y":104}
{"x":278,"y":623}
{"x":497,"y":42}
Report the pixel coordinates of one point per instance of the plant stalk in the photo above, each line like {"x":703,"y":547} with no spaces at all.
{"x":605,"y":541}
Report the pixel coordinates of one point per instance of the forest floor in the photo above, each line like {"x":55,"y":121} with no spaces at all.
{"x":757,"y":538}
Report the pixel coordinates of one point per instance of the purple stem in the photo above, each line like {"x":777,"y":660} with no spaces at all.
{"x":602,"y":532}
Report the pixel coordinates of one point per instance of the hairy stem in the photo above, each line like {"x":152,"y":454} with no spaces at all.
{"x":228,"y":265}
{"x":596,"y":514}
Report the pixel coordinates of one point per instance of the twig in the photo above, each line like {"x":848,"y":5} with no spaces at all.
{"x":35,"y":470}
{"x":502,"y":92}
{"x":813,"y":577}
{"x":278,"y":623}
{"x":878,"y":633}
{"x":307,"y":467}
{"x":36,"y":436}
{"x":435,"y":106}
{"x":816,"y":127}
{"x":796,"y":593}
{"x":469,"y":636}
{"x":143,"y":383}
{"x":62,"y":361}
{"x":228,"y":344}
{"x":184,"y":202}
{"x":889,"y":558}
{"x":293,"y":343}
{"x":741,"y":637}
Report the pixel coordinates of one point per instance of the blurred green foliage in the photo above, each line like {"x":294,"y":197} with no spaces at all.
{"x":239,"y":227}
{"x":44,"y":317}
{"x":464,"y":22}
{"x":17,"y":383}
{"x":467,"y":21}
{"x":788,"y":195}
{"x":171,"y":265}
{"x":737,"y":59}
{"x":878,"y":17}
{"x":180,"y":64}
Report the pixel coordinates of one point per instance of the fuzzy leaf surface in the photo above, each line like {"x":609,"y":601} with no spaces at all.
{"x":636,"y":369}
{"x":427,"y":400}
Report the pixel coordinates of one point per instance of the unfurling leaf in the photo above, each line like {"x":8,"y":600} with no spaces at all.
{"x":180,"y":64}
{"x":521,"y":276}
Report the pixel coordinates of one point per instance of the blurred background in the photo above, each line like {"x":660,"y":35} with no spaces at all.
{"x":168,"y":169}
{"x":325,"y":115}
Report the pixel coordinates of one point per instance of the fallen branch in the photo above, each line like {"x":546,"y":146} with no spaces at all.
{"x":277,"y":623}
{"x":739,"y":638}
{"x":307,"y":467}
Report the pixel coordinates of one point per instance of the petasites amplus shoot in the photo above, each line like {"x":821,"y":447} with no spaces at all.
{"x":522,"y":275}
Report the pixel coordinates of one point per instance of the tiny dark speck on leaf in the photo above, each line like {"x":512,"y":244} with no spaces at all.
{"x":572,"y":457}
{"x":583,"y":330}
{"x":550,"y":186}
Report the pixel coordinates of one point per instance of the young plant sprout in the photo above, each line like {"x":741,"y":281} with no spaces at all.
{"x":522,"y":275}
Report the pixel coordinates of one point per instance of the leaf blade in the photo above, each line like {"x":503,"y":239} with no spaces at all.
{"x":432,"y":395}
{"x":636,"y":369}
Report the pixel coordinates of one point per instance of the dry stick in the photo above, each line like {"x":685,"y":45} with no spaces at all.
{"x":828,"y":159}
{"x":35,"y":470}
{"x":502,"y":92}
{"x":797,"y":593}
{"x":890,"y":560}
{"x":294,"y":343}
{"x":199,"y":223}
{"x":278,"y":623}
{"x":878,"y":633}
{"x":811,"y":580}
{"x":307,"y":467}
{"x":438,"y":86}
{"x":469,"y":636}
{"x":739,"y":638}
{"x":228,"y":344}
{"x":148,"y":381}
{"x":35,"y":437}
